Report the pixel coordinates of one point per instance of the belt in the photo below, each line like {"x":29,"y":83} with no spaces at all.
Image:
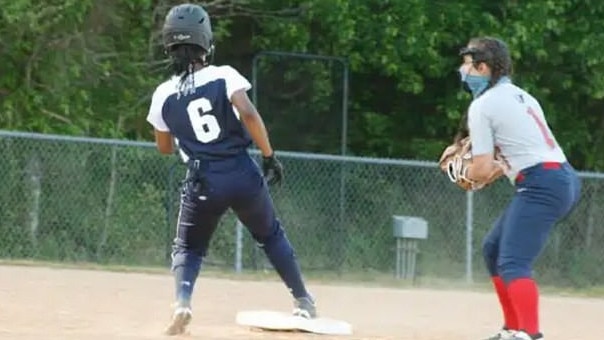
{"x":217,"y":164}
{"x":545,"y":166}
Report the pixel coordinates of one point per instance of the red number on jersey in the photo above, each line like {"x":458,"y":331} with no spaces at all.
{"x":548,"y":139}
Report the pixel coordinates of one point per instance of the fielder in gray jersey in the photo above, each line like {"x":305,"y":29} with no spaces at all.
{"x":503,"y":116}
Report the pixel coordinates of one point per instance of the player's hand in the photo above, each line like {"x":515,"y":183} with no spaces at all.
{"x":272,"y":169}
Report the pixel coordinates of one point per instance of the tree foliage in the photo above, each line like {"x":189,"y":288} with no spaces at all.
{"x":88,"y":67}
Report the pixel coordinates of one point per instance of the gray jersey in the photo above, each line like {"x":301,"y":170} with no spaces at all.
{"x":509,"y":118}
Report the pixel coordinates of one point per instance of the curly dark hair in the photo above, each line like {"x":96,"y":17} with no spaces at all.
{"x":495,"y":54}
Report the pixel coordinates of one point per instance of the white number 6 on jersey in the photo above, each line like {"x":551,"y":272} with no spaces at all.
{"x":204,"y":125}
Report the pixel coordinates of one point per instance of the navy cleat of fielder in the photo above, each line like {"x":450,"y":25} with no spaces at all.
{"x":205,"y":109}
{"x":504,"y":116}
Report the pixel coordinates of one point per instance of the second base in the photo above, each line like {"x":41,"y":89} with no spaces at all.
{"x":279,"y":321}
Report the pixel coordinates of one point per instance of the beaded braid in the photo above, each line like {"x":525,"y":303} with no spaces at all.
{"x":184,"y":57}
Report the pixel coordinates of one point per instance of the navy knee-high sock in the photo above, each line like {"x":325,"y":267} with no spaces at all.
{"x":185,"y":268}
{"x":281,"y":255}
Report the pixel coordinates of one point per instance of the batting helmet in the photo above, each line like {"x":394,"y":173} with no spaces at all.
{"x":188,"y":24}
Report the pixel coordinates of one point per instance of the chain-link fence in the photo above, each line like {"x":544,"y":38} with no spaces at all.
{"x":114,"y":202}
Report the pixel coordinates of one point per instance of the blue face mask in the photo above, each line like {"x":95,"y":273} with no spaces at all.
{"x":475,"y":84}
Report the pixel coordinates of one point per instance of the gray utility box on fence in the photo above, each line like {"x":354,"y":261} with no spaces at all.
{"x":408,"y":230}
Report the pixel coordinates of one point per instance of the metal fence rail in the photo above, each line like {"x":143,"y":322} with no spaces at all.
{"x":108,"y":201}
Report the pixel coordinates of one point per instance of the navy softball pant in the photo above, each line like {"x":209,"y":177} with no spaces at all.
{"x":545,"y":193}
{"x":211,"y":188}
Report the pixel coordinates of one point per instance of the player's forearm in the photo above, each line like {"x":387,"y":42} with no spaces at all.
{"x":486,"y":172}
{"x":164,"y":142}
{"x":494,"y":174}
{"x":479,"y":172}
{"x":257,"y":130}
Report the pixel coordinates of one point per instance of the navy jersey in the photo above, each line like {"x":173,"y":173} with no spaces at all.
{"x":205,"y":124}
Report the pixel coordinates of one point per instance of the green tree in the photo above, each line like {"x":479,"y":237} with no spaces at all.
{"x":89,"y":67}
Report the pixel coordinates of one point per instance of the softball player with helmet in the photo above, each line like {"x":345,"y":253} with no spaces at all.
{"x":504,"y":116}
{"x":206,"y":110}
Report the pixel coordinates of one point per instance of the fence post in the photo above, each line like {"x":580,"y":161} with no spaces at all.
{"x":238,"y":247}
{"x":343,"y":152}
{"x":469,"y":236}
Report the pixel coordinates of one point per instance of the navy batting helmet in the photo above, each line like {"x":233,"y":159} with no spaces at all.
{"x":188,"y":24}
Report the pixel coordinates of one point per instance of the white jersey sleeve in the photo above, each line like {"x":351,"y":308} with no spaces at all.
{"x":234,"y":81}
{"x":155,"y":117}
{"x":481,"y":131}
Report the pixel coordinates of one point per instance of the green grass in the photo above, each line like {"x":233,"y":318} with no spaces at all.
{"x":365,"y":279}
